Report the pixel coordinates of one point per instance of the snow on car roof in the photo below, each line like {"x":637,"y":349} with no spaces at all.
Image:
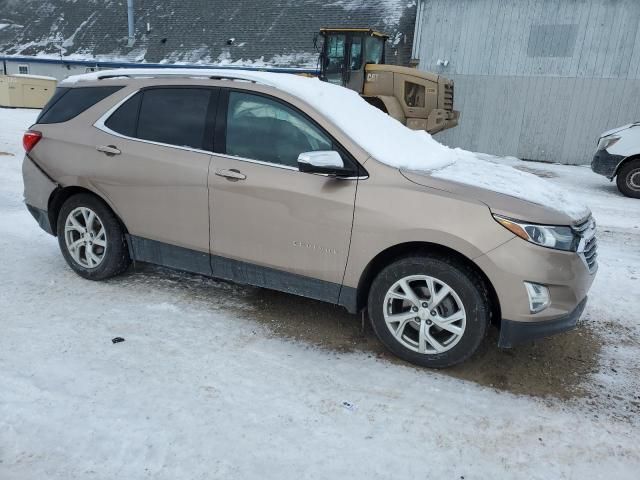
{"x":386,"y":139}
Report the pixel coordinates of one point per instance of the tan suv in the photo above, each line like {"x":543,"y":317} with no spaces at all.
{"x":227,"y":175}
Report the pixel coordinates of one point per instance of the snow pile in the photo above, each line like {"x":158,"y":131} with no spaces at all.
{"x":492,"y":173}
{"x":390,"y":142}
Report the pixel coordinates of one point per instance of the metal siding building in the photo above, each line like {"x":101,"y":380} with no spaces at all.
{"x":536,"y":79}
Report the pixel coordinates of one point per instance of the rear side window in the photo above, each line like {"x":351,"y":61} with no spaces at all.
{"x":124,"y":120}
{"x":177,"y":116}
{"x":71,"y":102}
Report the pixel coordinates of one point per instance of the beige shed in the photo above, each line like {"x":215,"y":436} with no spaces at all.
{"x":26,"y":91}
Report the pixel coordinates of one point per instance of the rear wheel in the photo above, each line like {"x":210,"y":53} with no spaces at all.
{"x":91,"y":238}
{"x":429,"y":311}
{"x":628,"y":179}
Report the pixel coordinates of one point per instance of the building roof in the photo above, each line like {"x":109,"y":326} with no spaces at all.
{"x":224,"y":32}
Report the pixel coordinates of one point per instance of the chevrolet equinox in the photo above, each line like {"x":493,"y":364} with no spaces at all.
{"x":232,"y":175}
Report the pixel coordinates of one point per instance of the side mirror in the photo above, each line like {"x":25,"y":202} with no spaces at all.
{"x":328,"y":162}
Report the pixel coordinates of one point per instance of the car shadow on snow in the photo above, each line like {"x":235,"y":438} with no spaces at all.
{"x":553,"y":367}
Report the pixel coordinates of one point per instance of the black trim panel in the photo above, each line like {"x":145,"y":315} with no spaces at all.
{"x":604,"y":163}
{"x":349,"y":299}
{"x":42,"y":217}
{"x":514,"y":333}
{"x":159,"y":253}
{"x":151,"y":251}
{"x":266,"y":277}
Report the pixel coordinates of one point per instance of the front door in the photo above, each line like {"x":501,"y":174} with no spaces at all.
{"x":271,"y":224}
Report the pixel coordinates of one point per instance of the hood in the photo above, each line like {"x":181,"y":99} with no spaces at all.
{"x":619,"y":129}
{"x":499,"y":203}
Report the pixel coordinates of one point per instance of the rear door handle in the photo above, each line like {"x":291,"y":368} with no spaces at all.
{"x":108,"y":149}
{"x":231,"y":174}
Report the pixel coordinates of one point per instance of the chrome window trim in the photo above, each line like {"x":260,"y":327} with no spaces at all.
{"x":284,"y":167}
{"x":258,"y":162}
{"x":100,"y":125}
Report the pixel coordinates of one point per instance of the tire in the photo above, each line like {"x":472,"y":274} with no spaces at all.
{"x":469,"y":299}
{"x":628,"y":179}
{"x":76,"y":241}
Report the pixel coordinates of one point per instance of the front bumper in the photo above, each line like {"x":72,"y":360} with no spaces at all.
{"x":605,"y":163}
{"x":565,"y":274}
{"x":514,"y":333}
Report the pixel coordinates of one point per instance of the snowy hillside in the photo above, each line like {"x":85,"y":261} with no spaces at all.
{"x":244,"y":32}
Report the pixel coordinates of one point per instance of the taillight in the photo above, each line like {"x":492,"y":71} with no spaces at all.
{"x":30,"y":139}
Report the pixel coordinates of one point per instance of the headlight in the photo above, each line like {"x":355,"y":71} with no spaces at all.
{"x":560,"y":238}
{"x":606,"y":142}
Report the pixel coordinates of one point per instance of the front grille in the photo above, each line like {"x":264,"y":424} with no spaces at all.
{"x":448,"y":97}
{"x":588,"y":248}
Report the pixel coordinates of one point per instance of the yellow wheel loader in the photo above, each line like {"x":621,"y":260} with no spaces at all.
{"x":354,"y":58}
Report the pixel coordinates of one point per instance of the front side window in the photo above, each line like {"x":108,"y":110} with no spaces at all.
{"x":176,"y":116}
{"x":23,"y":69}
{"x":262,"y":129}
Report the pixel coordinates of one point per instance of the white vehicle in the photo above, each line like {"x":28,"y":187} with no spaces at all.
{"x":618,"y":156}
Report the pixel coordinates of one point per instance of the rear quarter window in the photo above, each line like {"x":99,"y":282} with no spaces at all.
{"x":125,"y":119}
{"x":68,"y":103}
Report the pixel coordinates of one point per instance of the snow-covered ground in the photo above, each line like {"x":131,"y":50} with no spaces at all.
{"x":203,"y":388}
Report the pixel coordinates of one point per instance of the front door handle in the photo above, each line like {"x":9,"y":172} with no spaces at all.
{"x":231,"y":174}
{"x":108,"y":149}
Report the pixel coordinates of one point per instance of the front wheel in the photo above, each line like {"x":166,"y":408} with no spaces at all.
{"x":91,"y":238}
{"x":429,"y":310}
{"x":628,"y":179}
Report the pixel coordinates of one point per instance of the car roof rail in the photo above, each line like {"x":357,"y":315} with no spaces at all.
{"x":111,"y":74}
{"x":211,"y":73}
{"x":212,"y":77}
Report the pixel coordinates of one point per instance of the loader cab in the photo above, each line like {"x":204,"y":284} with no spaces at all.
{"x":346,"y":52}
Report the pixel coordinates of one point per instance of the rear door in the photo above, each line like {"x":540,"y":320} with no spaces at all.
{"x":273,"y":225}
{"x":154,"y":153}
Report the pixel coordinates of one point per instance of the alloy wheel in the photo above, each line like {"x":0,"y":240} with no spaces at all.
{"x":85,"y":237}
{"x":424,"y":314}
